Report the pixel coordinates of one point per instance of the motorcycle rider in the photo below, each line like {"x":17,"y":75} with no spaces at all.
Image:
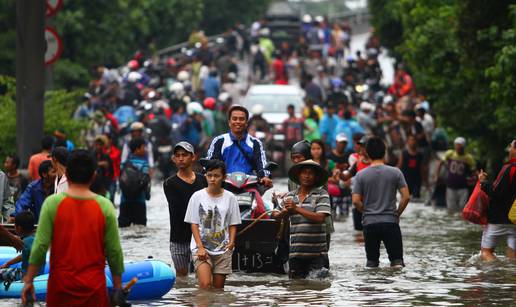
{"x":240,"y":151}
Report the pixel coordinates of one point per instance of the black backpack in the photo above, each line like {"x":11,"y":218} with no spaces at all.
{"x":133,"y":182}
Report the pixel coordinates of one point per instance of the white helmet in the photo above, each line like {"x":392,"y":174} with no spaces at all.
{"x":176,"y":87}
{"x":257,"y":109}
{"x":183,"y":76}
{"x":307,"y":18}
{"x":194,"y":108}
{"x":134,"y":76}
{"x":223,"y":97}
{"x":319,"y":19}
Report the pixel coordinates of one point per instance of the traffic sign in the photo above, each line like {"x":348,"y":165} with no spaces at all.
{"x":52,"y":7}
{"x":54,"y":46}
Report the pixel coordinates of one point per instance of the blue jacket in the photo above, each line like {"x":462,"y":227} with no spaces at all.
{"x":327,"y":127}
{"x":223,"y":148}
{"x":31,"y":199}
{"x":349,"y":127}
{"x":211,"y":87}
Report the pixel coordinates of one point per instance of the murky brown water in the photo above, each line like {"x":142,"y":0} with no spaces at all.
{"x":440,"y":254}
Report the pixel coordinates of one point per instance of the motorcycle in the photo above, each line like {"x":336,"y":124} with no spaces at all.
{"x":248,"y":191}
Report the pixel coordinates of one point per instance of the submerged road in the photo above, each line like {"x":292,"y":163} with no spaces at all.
{"x":440,"y":254}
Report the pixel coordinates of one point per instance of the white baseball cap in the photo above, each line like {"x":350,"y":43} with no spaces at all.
{"x":341,"y":137}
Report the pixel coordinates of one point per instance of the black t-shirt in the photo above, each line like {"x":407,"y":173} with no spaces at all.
{"x":178,"y":193}
{"x":339,"y":160}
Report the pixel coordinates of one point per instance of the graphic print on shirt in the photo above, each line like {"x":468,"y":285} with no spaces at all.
{"x":213,"y":233}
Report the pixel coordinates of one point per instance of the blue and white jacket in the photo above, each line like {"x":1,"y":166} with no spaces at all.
{"x":223,"y":148}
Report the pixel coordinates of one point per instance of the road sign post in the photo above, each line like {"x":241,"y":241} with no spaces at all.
{"x":30,"y":76}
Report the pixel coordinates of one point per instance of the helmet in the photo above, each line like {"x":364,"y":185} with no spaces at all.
{"x":223,"y":97}
{"x":171,"y":62}
{"x":183,"y":75}
{"x":303,"y":147}
{"x":194,"y":108}
{"x":133,"y":76}
{"x":133,"y":64}
{"x":209,"y":103}
{"x":307,"y":18}
{"x":257,"y":109}
{"x":176,"y":87}
{"x":319,"y":19}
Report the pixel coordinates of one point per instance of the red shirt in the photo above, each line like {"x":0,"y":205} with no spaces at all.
{"x":116,"y":156}
{"x":280,"y":76}
{"x":34,"y":162}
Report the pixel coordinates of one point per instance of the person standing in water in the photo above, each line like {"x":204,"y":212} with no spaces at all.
{"x":374,"y":194}
{"x":214,"y":215}
{"x":178,"y":190}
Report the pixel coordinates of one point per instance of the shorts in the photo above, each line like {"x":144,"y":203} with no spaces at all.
{"x":180,"y":253}
{"x":220,"y":264}
{"x":493,"y":232}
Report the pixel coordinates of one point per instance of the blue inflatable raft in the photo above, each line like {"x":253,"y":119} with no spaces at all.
{"x":155,"y":279}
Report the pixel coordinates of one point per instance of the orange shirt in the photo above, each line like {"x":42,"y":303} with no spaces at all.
{"x":34,"y":162}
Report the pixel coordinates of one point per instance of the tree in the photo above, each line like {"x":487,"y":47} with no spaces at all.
{"x":461,"y":55}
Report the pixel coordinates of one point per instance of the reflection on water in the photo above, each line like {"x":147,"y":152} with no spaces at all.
{"x":441,"y":254}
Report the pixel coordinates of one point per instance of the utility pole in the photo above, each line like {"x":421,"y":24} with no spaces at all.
{"x":30,"y":76}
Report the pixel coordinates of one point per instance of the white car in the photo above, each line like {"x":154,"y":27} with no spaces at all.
{"x":275,"y":99}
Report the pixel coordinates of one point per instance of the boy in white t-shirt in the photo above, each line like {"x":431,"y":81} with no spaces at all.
{"x":213,"y":213}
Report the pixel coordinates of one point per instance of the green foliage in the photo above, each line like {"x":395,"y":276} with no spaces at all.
{"x":59,"y":107}
{"x":219,"y":15}
{"x":7,"y":116}
{"x":462,"y":55}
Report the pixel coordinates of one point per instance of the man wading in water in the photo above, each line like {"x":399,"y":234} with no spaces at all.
{"x":307,"y":208}
{"x":81,"y":228}
{"x":178,"y":190}
{"x":374,"y":194}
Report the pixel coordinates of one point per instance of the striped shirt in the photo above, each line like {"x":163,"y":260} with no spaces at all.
{"x":308,"y":238}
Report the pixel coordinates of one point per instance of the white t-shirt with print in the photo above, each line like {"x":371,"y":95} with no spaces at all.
{"x":214,"y":215}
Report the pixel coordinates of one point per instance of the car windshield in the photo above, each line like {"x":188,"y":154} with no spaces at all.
{"x":272,"y":103}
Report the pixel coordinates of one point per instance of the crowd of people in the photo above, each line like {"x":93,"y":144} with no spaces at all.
{"x":355,"y":142}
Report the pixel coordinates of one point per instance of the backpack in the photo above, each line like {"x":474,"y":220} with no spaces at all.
{"x":133,"y":182}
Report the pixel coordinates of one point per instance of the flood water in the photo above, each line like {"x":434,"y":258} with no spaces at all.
{"x":442,"y":267}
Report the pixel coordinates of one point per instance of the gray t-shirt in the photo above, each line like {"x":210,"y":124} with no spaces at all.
{"x":378,"y":186}
{"x":214,"y":215}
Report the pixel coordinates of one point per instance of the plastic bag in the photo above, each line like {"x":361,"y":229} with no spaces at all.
{"x":475,"y":210}
{"x":512,"y":213}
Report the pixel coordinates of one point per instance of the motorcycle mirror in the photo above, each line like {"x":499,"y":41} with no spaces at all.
{"x":270,"y":166}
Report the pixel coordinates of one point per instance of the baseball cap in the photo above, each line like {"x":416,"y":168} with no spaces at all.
{"x":60,"y":153}
{"x":341,"y":137}
{"x":460,"y":140}
{"x":186,"y":146}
